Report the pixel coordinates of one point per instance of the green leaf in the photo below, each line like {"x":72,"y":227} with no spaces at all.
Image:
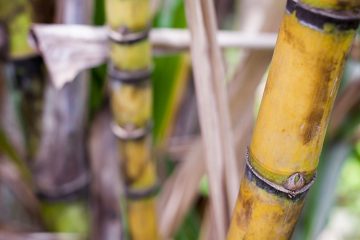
{"x":67,"y":217}
{"x":190,"y":227}
{"x":168,"y":76}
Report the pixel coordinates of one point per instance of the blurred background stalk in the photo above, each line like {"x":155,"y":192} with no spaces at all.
{"x":21,"y":105}
{"x":24,"y":81}
{"x":131,"y":101}
{"x":61,"y":167}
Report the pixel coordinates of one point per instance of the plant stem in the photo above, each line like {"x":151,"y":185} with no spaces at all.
{"x":17,"y":17}
{"x":24,"y":72}
{"x":131,"y":100}
{"x":61,"y":168}
{"x":290,"y":129}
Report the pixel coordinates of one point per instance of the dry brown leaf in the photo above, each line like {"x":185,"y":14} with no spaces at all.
{"x":241,"y":93}
{"x":232,"y":177}
{"x":213,"y":113}
{"x":62,"y":148}
{"x":69,"y":49}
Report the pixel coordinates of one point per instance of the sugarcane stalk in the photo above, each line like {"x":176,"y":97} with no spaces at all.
{"x":24,"y":73}
{"x":131,"y":101}
{"x":16,"y":15}
{"x":61,"y":171}
{"x":289,"y":133}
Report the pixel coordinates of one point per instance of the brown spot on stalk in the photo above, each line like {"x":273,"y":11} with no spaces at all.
{"x":312,"y":125}
{"x":243,"y":217}
{"x":293,"y":40}
{"x":239,"y":220}
{"x":320,"y":98}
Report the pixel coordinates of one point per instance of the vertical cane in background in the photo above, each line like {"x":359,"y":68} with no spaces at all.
{"x":24,"y":78}
{"x":304,"y":77}
{"x":61,"y":172}
{"x":131,"y":99}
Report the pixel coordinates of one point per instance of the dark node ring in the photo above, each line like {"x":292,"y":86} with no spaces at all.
{"x":134,"y":77}
{"x":279,"y":190}
{"x":26,"y":69}
{"x":74,"y":190}
{"x":139,"y":194}
{"x":133,"y":134}
{"x":125,"y":37}
{"x":318,"y":18}
{"x":31,"y":59}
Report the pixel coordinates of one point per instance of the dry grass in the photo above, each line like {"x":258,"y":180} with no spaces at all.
{"x":241,"y":98}
{"x":180,"y":190}
{"x":213,"y":111}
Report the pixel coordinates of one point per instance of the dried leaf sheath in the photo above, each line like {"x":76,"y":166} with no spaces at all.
{"x":290,"y":129}
{"x":131,"y":102}
{"x":61,"y":168}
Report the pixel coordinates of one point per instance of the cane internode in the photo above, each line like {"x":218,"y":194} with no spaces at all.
{"x":313,"y":42}
{"x":129,"y":73}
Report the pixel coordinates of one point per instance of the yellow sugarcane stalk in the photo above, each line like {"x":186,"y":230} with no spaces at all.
{"x":17,"y":17}
{"x":303,"y":81}
{"x":131,"y":102}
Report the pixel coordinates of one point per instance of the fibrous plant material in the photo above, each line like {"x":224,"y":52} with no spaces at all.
{"x":290,"y":129}
{"x":61,"y":171}
{"x":131,"y":102}
{"x":66,"y":48}
{"x":180,"y":190}
{"x":179,"y":194}
{"x":62,"y":147}
{"x":213,"y":110}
